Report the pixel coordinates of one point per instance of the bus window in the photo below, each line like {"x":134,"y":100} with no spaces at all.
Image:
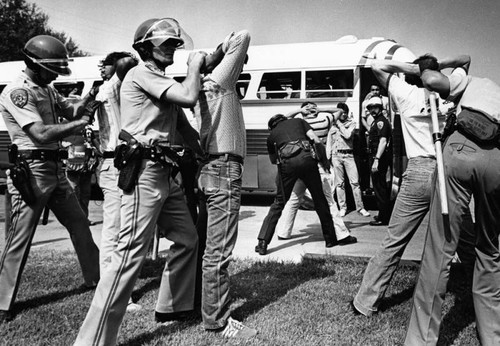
{"x":2,"y":87}
{"x":97,"y":83}
{"x":242,"y":85}
{"x":66,"y":89}
{"x":279,"y":85}
{"x":333,"y":83}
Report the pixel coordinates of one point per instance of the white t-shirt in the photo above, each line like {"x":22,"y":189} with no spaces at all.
{"x":416,"y":121}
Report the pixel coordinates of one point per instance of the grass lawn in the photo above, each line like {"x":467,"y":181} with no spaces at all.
{"x":290,"y":304}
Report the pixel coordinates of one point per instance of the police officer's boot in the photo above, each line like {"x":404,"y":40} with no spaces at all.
{"x":330,"y":239}
{"x":261,"y":247}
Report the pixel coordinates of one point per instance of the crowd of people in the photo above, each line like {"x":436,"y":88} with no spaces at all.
{"x":141,"y":120}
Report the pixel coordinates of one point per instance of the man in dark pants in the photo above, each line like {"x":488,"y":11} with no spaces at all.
{"x":380,"y":158}
{"x":288,"y":146}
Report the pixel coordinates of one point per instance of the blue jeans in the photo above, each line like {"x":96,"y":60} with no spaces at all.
{"x":342,"y":164}
{"x":220,"y":184}
{"x":412,"y":204}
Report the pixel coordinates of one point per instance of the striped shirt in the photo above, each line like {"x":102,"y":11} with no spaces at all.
{"x":320,"y":124}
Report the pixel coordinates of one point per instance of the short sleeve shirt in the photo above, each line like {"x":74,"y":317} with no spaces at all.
{"x":379,"y":128}
{"x":480,"y":94}
{"x":287,"y":131}
{"x":143,"y":116}
{"x":416,"y":120}
{"x":23,"y":103}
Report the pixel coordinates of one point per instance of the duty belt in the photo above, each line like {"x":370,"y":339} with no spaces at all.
{"x":344,"y":151}
{"x":164,"y":155}
{"x":226,"y":157}
{"x":42,"y":154}
{"x":108,"y":154}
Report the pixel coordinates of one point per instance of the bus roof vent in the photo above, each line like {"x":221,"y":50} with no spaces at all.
{"x":347,"y":39}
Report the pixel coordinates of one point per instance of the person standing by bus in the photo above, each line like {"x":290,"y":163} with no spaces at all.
{"x":223,"y":139}
{"x":150,"y":115}
{"x":289,"y":147}
{"x":31,"y":108}
{"x":113,"y":69}
{"x":472,"y":157}
{"x":320,"y":120}
{"x":380,"y":146}
{"x":339,"y":149}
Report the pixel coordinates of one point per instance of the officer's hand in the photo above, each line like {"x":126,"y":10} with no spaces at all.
{"x":197,"y":59}
{"x":89,"y":111}
{"x":375,"y":166}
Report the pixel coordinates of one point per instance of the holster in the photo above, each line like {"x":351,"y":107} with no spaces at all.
{"x":128,"y":159}
{"x":21,"y":176}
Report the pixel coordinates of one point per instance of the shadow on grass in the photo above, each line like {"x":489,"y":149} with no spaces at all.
{"x":254,"y":285}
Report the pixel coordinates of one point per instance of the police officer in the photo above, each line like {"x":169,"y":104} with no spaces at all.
{"x":31,"y":107}
{"x":288,"y":146}
{"x":150,"y":115}
{"x":472,"y":158}
{"x":380,"y":147}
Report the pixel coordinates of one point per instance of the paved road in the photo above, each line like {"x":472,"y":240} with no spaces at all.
{"x":306,"y":239}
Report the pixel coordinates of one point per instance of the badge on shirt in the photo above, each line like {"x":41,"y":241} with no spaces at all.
{"x":380,"y":125}
{"x":19,"y":97}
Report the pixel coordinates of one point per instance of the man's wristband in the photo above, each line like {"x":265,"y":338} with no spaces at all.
{"x":376,"y":158}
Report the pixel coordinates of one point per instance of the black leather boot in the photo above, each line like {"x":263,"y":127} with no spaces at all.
{"x":261,"y":247}
{"x":330,"y":239}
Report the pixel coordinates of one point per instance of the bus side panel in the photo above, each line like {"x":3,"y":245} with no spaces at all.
{"x":267,"y":174}
{"x":250,"y":173}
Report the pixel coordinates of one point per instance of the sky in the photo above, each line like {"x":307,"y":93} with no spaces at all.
{"x":441,"y":27}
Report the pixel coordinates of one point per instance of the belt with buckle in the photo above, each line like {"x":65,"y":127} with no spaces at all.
{"x":42,"y":154}
{"x":108,"y":154}
{"x":344,"y":151}
{"x":226,"y":157}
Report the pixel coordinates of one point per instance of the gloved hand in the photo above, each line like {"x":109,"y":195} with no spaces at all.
{"x":89,"y":111}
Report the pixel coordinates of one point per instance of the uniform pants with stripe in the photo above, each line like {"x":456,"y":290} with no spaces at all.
{"x":156,"y":199}
{"x":52,"y":189}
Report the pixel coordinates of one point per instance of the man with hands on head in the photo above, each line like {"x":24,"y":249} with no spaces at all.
{"x":472,"y":163}
{"x":31,"y":108}
{"x":414,"y":198}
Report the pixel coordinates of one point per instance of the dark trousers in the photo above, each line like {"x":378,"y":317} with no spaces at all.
{"x":303,"y":167}
{"x":381,"y":189}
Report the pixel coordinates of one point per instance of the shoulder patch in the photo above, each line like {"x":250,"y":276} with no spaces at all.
{"x":380,"y":125}
{"x":19,"y":97}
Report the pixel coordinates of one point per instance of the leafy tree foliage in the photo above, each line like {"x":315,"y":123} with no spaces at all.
{"x":20,"y":21}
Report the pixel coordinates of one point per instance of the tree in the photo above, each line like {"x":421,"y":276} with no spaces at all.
{"x":20,"y":21}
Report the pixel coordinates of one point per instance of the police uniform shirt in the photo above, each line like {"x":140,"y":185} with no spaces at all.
{"x":23,"y":103}
{"x":142,"y":115}
{"x":287,"y":131}
{"x":380,"y":128}
{"x":108,"y":114}
{"x":416,"y":120}
{"x":218,"y":110}
{"x":480,"y":94}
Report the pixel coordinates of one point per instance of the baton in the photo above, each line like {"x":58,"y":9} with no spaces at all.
{"x":436,"y":136}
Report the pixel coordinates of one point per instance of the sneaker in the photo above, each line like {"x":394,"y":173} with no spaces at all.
{"x":236,"y":330}
{"x":342,"y":212}
{"x":363,"y":212}
{"x":132,"y":307}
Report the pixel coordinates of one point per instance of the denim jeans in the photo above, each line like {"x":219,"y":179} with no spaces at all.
{"x":344,"y":163}
{"x":412,"y":204}
{"x":220,"y":184}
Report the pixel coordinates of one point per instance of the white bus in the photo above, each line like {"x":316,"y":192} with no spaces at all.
{"x":276,"y":79}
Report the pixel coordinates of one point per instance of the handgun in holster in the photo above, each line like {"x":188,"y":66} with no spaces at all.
{"x":450,"y":126}
{"x":20,"y":174}
{"x":128,"y":160}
